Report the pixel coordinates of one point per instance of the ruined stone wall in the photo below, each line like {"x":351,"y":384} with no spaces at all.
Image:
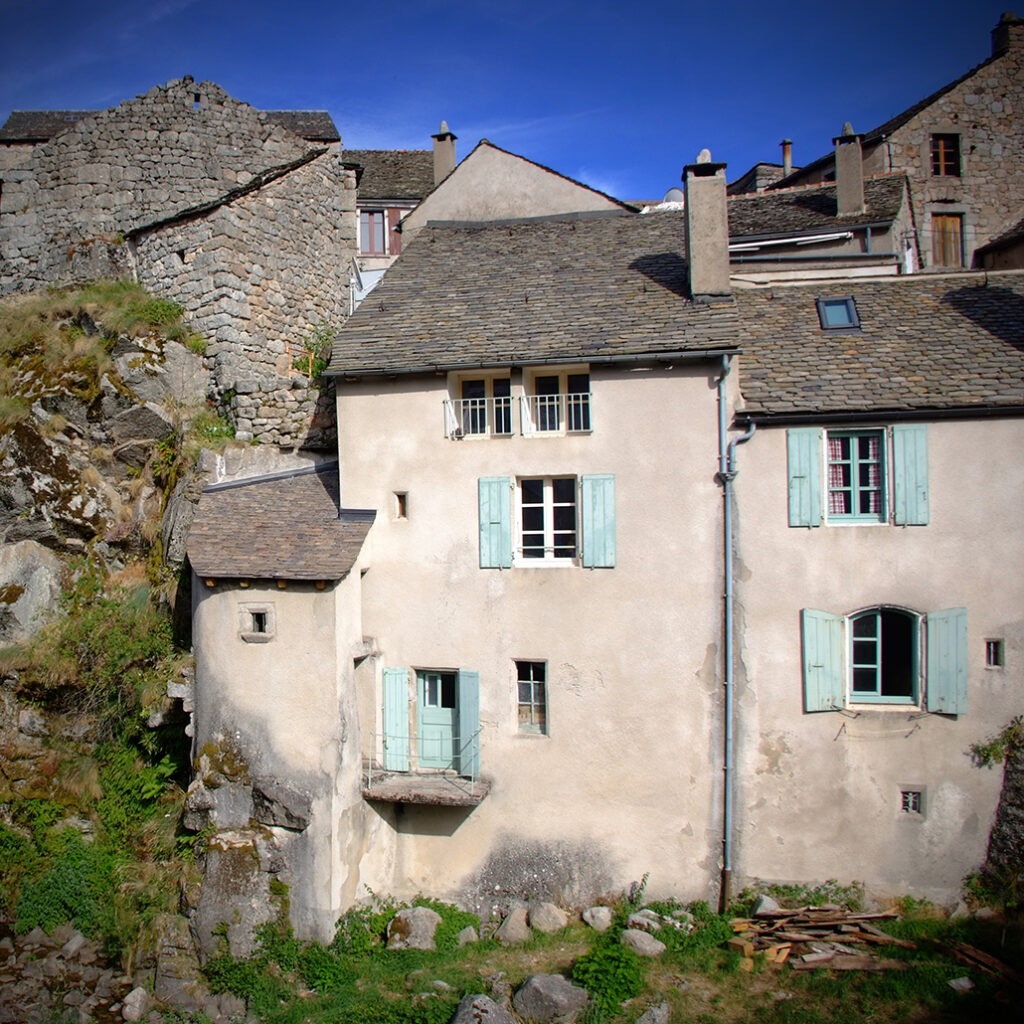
{"x":207,"y":202}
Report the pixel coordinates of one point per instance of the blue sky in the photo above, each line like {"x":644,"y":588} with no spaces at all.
{"x":619,"y":95}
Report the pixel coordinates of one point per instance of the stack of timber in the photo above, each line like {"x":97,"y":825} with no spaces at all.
{"x":813,"y":937}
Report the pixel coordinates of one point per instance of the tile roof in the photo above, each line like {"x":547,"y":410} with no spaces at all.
{"x":39,"y":125}
{"x":1012,"y":235}
{"x":393,"y":173}
{"x":282,"y":526}
{"x":311,"y":125}
{"x":812,"y":207}
{"x":591,"y":288}
{"x":927,"y":342}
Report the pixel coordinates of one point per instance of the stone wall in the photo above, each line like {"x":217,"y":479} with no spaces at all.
{"x":205,"y":201}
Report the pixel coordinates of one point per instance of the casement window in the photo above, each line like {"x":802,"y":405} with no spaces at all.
{"x":547,"y":521}
{"x":946,"y":155}
{"x":444,"y":715}
{"x":484,"y":408}
{"x":556,"y":403}
{"x":947,"y":240}
{"x":876,"y":475}
{"x":372,"y":241}
{"x":531,"y":695}
{"x":885,"y":656}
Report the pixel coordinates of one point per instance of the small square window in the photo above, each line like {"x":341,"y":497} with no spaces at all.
{"x":995,"y":654}
{"x":256,"y":622}
{"x":531,"y":684}
{"x":838,"y":314}
{"x":259,"y":622}
{"x":912,"y":801}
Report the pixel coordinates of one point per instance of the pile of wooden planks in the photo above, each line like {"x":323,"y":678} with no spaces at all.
{"x":813,"y":937}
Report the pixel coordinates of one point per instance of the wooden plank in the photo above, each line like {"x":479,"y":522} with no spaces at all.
{"x":741,"y":945}
{"x":972,"y":956}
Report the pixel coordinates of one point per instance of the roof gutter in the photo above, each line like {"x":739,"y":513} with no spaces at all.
{"x":860,"y":257}
{"x":695,"y":355}
{"x":834,"y":236}
{"x":889,"y":415}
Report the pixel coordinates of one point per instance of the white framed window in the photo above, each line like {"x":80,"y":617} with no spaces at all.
{"x":531,"y":696}
{"x":885,"y":655}
{"x":483,"y":407}
{"x":547,"y":519}
{"x":557,"y":401}
{"x":257,"y":623}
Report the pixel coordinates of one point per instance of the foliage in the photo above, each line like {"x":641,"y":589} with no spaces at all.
{"x":611,"y":974}
{"x":453,"y":921}
{"x":132,"y":790}
{"x":849,"y":897}
{"x":361,"y":929}
{"x":1003,"y":745}
{"x":318,"y":344}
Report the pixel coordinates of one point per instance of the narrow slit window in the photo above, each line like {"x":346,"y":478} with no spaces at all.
{"x":401,"y":505}
{"x":995,"y":654}
{"x":196,"y":99}
{"x":259,"y":622}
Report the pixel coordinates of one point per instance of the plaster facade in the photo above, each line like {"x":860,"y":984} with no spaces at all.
{"x":808,"y":782}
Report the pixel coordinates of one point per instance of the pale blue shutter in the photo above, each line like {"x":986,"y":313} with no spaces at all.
{"x":468,"y":684}
{"x":495,"y":522}
{"x":910,"y":473}
{"x":947,"y":661}
{"x":396,"y":719}
{"x":823,"y":660}
{"x":803,"y":450}
{"x":597,"y":520}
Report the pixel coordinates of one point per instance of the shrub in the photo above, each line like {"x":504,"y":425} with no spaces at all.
{"x":611,"y":974}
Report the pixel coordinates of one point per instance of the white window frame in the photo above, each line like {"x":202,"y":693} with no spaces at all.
{"x":548,"y":505}
{"x":458,"y":413}
{"x":532,"y":727}
{"x":564,"y":409}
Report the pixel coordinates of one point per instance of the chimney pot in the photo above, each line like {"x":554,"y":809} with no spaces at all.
{"x":444,"y":153}
{"x":1008,"y":34}
{"x":787,"y":157}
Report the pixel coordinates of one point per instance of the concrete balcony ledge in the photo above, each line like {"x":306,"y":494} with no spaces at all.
{"x":433,"y":789}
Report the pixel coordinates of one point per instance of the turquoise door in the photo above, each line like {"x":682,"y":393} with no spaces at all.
{"x":437,"y":719}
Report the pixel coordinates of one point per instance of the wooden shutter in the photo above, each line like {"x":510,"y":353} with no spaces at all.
{"x":394,"y":242}
{"x":947,"y":661}
{"x":910,"y":473}
{"x":396,"y":719}
{"x":495,"y":522}
{"x":803,"y":449}
{"x":597,"y":520}
{"x":823,"y":645}
{"x":468,"y":758}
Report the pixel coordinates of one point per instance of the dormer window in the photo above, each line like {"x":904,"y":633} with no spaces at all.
{"x":838,"y":314}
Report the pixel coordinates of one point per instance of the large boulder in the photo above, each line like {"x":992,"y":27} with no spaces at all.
{"x":413,"y":928}
{"x":29,"y":588}
{"x":514,"y":929}
{"x":547,"y":918}
{"x":481,"y":1009}
{"x":544,"y":997}
{"x":641,"y":943}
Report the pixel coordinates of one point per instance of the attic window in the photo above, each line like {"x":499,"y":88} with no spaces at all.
{"x":838,"y":314}
{"x":257,"y":623}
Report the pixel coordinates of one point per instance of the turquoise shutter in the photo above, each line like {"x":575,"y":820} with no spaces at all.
{"x":597,"y":520}
{"x":803,"y":449}
{"x":468,"y":685}
{"x":947,"y":661}
{"x":910,"y":473}
{"x":823,"y":660}
{"x":495,"y":522}
{"x":396,"y":720}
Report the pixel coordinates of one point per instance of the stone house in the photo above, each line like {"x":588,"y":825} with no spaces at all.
{"x":962,"y":149}
{"x":517,"y":673}
{"x":246,"y":217}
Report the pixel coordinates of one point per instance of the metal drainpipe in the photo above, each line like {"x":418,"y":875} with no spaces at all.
{"x":726,"y":474}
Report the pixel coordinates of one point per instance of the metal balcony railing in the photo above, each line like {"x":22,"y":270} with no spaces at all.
{"x":392,"y":755}
{"x":555,"y":414}
{"x":470,"y":417}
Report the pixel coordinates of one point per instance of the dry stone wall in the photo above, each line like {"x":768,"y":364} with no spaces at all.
{"x":204,"y":201}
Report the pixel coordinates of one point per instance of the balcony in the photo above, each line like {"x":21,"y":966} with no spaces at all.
{"x":390,"y":775}
{"x":538,"y":415}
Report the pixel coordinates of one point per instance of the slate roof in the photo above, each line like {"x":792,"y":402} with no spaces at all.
{"x":311,"y":125}
{"x":282,"y":526}
{"x":927,"y":342}
{"x":812,"y":207}
{"x":589,"y":288}
{"x":39,"y":125}
{"x":1011,"y":236}
{"x":393,"y":173}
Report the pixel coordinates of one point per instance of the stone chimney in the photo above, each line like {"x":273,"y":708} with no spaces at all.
{"x":707,"y":228}
{"x":787,"y":157}
{"x":849,"y":172}
{"x":1008,"y":34}
{"x":444,"y":153}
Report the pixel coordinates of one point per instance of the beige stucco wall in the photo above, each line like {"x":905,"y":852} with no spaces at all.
{"x":818,"y":795}
{"x":287,"y":706}
{"x":494,"y":185}
{"x":624,"y":783}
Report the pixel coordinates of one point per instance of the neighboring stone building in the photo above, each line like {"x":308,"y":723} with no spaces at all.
{"x":231,"y":211}
{"x":962,"y":149}
{"x":520,"y":682}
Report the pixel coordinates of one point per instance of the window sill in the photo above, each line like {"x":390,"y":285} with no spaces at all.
{"x":886,"y":706}
{"x":257,"y":638}
{"x":545,"y":563}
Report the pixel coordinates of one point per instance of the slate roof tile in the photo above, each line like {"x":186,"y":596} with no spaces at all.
{"x":926,"y":342}
{"x":393,"y":173}
{"x":284,"y":526}
{"x":311,"y":125}
{"x":39,"y":125}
